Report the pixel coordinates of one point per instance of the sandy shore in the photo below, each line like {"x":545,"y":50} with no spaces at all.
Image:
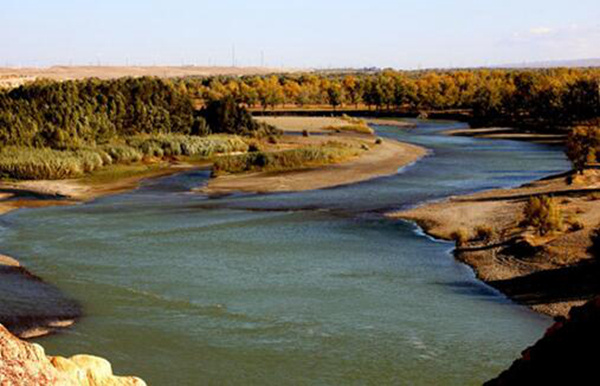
{"x":391,"y":122}
{"x":509,"y":133}
{"x":39,"y":193}
{"x":549,"y":274}
{"x":380,"y":160}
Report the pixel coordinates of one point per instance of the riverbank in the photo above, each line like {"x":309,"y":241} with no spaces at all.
{"x":550,"y":274}
{"x":235,"y":250}
{"x":23,"y":363}
{"x":509,"y":133}
{"x":379,"y":157}
{"x":52,"y":310}
{"x":113,"y":180}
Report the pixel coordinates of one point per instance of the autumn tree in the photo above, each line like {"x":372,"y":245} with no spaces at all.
{"x":335,"y":94}
{"x":583,"y":145}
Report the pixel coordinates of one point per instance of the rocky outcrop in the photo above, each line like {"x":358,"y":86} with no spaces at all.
{"x":566,"y":355}
{"x":23,"y":363}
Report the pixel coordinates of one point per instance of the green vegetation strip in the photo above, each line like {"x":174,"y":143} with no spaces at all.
{"x":33,"y":163}
{"x":310,"y":156}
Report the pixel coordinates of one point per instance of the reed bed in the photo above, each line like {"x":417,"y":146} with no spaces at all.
{"x":24,"y":163}
{"x":310,"y":156}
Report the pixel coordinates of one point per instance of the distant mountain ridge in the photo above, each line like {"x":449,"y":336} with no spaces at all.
{"x":594,"y":62}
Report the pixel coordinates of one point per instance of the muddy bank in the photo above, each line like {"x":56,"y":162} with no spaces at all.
{"x":30,"y":306}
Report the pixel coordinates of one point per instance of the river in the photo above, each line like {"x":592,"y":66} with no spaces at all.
{"x":296,"y":288}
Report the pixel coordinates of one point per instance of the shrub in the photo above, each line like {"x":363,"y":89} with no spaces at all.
{"x":352,"y":120}
{"x":543,"y":214}
{"x":378,"y":141}
{"x":594,"y":249}
{"x":361,"y":129}
{"x":460,"y":236}
{"x":594,"y":196}
{"x":328,"y":153}
{"x":484,"y":233}
{"x":576,"y":226}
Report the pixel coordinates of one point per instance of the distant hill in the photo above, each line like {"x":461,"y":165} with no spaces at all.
{"x":11,"y":77}
{"x":555,"y":64}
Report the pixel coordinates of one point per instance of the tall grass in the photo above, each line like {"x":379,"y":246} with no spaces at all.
{"x":329,"y":153}
{"x":23,"y":163}
{"x":360,"y":129}
{"x":185,"y":145}
{"x":34,"y":164}
{"x":355,"y":125}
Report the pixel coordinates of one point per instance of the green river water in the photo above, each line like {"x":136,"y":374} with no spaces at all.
{"x":286,"y":289}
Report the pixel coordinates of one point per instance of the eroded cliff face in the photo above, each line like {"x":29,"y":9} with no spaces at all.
{"x":23,"y":363}
{"x":566,"y":355}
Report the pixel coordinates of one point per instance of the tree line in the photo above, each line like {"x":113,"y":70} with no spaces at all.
{"x":72,"y":114}
{"x":556,"y":96}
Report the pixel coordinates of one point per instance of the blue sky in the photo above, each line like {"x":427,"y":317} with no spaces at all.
{"x":309,"y":33}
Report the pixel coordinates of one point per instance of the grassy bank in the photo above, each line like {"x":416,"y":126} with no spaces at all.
{"x":24,"y":163}
{"x":352,"y":125}
{"x":304,"y":157}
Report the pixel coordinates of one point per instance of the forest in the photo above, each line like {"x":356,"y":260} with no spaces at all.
{"x":53,"y":130}
{"x":542,"y":98}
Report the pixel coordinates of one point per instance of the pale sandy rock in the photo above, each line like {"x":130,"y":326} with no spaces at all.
{"x":23,"y":363}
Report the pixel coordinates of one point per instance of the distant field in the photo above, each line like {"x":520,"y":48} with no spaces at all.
{"x":14,"y":76}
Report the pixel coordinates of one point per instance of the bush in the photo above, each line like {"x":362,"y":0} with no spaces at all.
{"x":543,"y":214}
{"x":576,"y":226}
{"x":460,"y":236}
{"x":329,"y":153}
{"x":378,"y":141}
{"x":484,"y":233}
{"x":360,"y":129}
{"x":594,"y":196}
{"x":594,"y":249}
